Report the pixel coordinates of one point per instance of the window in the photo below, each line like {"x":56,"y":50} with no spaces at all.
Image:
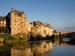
{"x":4,"y":22}
{"x":18,"y":29}
{"x":14,"y":13}
{"x":44,"y":46}
{"x":44,"y":31}
{"x":19,"y":14}
{"x":1,"y":22}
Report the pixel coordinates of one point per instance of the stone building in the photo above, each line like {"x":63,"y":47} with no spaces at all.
{"x":16,"y":22}
{"x":2,"y":21}
{"x":41,"y":28}
{"x":2,"y":24}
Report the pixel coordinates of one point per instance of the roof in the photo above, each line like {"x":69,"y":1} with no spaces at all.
{"x":41,"y":23}
{"x":2,"y":18}
{"x":17,"y":11}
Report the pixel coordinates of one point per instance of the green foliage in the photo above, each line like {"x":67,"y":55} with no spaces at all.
{"x":37,"y":37}
{"x":32,"y":36}
{"x":2,"y":29}
{"x":52,"y":37}
{"x":7,"y":30}
{"x":55,"y":31}
{"x":27,"y":36}
{"x":7,"y":37}
{"x":22,"y":36}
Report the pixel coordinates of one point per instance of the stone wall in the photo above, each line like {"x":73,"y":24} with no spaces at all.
{"x":41,"y":29}
{"x":18,"y":22}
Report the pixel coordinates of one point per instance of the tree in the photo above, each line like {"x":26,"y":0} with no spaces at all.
{"x":55,"y":31}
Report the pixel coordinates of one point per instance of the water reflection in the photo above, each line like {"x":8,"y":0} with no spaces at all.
{"x":26,"y":49}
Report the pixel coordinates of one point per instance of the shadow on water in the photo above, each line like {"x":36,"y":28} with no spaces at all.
{"x":37,"y":48}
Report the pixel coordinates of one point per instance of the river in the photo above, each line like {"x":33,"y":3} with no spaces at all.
{"x":37,"y":48}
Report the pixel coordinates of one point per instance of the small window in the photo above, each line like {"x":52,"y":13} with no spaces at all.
{"x":1,"y":22}
{"x":44,"y":46}
{"x":44,"y":31}
{"x":19,"y":14}
{"x":14,"y":13}
{"x":4,"y":22}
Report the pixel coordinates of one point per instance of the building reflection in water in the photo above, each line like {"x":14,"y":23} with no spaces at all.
{"x":28,"y":49}
{"x":41,"y":48}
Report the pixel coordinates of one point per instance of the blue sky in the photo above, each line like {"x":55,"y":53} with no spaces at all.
{"x":59,"y":13}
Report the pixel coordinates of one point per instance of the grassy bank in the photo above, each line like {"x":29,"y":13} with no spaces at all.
{"x":26,"y":37}
{"x":9,"y":38}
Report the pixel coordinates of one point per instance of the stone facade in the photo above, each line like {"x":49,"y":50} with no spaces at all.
{"x":17,"y":22}
{"x":41,"y":29}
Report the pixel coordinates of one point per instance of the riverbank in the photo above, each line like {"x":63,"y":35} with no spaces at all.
{"x":17,"y":38}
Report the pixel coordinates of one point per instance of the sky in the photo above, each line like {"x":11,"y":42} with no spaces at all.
{"x":59,"y":13}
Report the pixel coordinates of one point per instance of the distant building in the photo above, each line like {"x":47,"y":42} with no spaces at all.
{"x":16,"y":22}
{"x":41,"y":29}
{"x":2,"y":24}
{"x":2,"y":21}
